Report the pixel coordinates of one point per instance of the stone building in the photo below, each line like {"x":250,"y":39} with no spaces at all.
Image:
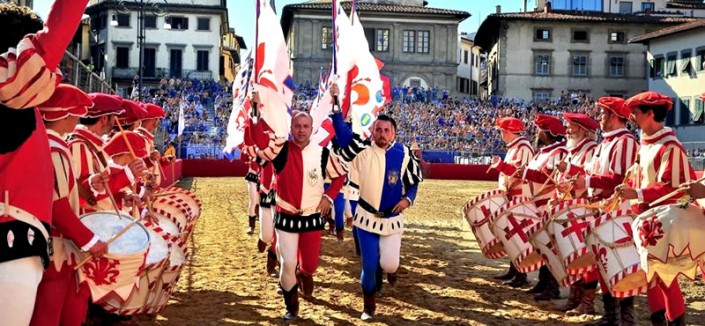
{"x":418,"y":44}
{"x":540,"y":54}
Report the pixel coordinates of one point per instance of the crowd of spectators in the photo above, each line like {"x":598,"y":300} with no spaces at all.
{"x":430,"y":116}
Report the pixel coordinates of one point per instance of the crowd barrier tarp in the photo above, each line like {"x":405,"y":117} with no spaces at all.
{"x":447,"y":171}
{"x":170,"y":175}
{"x":214,"y":168}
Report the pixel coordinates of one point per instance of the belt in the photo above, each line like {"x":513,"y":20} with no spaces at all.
{"x":366,"y":206}
{"x":298,"y":211}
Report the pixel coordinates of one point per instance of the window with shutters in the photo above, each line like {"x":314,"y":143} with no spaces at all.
{"x":382,"y":40}
{"x":700,"y":58}
{"x":657,"y":67}
{"x":617,"y":37}
{"x":542,"y":63}
{"x":203,"y":24}
{"x":686,"y":63}
{"x":408,"y":41}
{"x":542,"y":34}
{"x":424,"y":41}
{"x":123,"y":20}
{"x":671,"y":61}
{"x":179,"y":23}
{"x":684,"y":110}
{"x":580,"y":65}
{"x":625,"y":7}
{"x":150,"y":21}
{"x":202,"y":60}
{"x":580,"y":36}
{"x":616,"y":65}
{"x":696,"y":114}
{"x":122,"y":57}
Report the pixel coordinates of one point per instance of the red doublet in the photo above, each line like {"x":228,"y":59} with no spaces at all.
{"x":612,"y":159}
{"x":540,"y":167}
{"x":519,"y":153}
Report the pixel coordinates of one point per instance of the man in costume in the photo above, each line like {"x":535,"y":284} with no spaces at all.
{"x":551,"y":139}
{"x":300,"y":168}
{"x":59,"y":283}
{"x":392,"y":176}
{"x":607,"y":170}
{"x":86,"y":145}
{"x":663,"y":167}
{"x":519,"y":153}
{"x":28,"y":78}
{"x":581,"y":148}
{"x":148,"y":126}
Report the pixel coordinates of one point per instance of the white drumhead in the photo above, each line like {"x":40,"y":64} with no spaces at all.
{"x":106,"y":224}
{"x":177,"y":257}
{"x":167,"y":225}
{"x":158,"y":248}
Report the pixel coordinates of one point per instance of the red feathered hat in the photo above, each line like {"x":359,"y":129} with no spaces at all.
{"x":512,"y":125}
{"x":116,"y":145}
{"x":133,"y":112}
{"x":66,"y":100}
{"x":153,"y":111}
{"x":582,"y":120}
{"x":104,"y":104}
{"x":649,"y":99}
{"x":551,"y":124}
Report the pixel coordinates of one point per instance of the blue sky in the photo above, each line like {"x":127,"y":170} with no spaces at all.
{"x":241,"y":12}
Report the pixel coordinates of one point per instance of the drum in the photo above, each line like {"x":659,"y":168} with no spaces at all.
{"x":543,"y":242}
{"x":168,"y":226}
{"x":185,"y":196}
{"x":478,"y":212}
{"x":568,"y":224}
{"x":667,"y":240}
{"x":179,"y":212}
{"x":157,"y":259}
{"x":118,"y":271}
{"x":170,"y":277}
{"x":610,"y":240}
{"x":511,"y":224}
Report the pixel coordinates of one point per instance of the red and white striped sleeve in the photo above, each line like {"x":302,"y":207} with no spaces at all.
{"x":623,"y":155}
{"x":673,"y":170}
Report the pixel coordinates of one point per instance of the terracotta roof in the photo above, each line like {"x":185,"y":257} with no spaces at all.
{"x":669,"y":31}
{"x":374,"y":7}
{"x":491,"y":24}
{"x":685,"y":5}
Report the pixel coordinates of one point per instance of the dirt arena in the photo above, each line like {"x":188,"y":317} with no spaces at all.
{"x":444,"y":279}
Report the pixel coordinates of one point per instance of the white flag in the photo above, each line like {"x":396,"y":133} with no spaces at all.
{"x":182,"y":121}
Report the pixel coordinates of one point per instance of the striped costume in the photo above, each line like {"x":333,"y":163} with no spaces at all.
{"x":576,"y":159}
{"x":519,"y":153}
{"x":538,"y":170}
{"x":613,"y":158}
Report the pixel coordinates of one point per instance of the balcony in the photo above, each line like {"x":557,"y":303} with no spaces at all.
{"x":159,"y":73}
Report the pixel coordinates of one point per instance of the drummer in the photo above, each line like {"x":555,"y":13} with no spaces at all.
{"x":25,"y":158}
{"x":607,"y":169}
{"x":551,"y":139}
{"x":120,"y":154}
{"x":581,"y":147}
{"x":146,"y":130}
{"x":663,"y":168}
{"x":519,"y":153}
{"x":56,"y":296}
{"x":89,"y":159}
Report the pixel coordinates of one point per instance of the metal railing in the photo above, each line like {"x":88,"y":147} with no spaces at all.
{"x":78,"y":74}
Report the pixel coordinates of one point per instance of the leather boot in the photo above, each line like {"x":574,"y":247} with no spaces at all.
{"x":340,"y":234}
{"x":626,"y":312}
{"x":587,"y":304}
{"x":261,"y":246}
{"x":552,"y":290}
{"x":508,"y":275}
{"x":680,"y":321}
{"x":659,"y":318}
{"x":541,"y":284}
{"x":251,"y":227}
{"x":574,"y":297}
{"x":305,"y":282}
{"x":518,"y":281}
{"x":610,"y":316}
{"x":392,"y":278}
{"x":331,"y":226}
{"x":272,"y":263}
{"x":379,"y":280}
{"x":291,"y":301}
{"x":369,"y":308}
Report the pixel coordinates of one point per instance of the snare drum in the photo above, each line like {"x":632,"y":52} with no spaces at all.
{"x":118,"y":271}
{"x":544,"y":242}
{"x":478,"y":213}
{"x":568,"y":225}
{"x":610,"y":240}
{"x":170,"y":277}
{"x":179,"y":212}
{"x":511,"y":224}
{"x":668,"y":240}
{"x":143,"y":295}
{"x":168,"y":226}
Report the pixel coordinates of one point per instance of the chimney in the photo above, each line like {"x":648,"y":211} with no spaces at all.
{"x":498,"y":9}
{"x":547,"y":8}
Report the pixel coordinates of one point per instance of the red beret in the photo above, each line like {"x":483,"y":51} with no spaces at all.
{"x":615,"y":105}
{"x":153,"y":111}
{"x":104,"y":104}
{"x":582,"y":120}
{"x":649,"y":99}
{"x":66,"y":100}
{"x":551,"y":124}
{"x":702,"y":97}
{"x":510,"y":124}
{"x":133,"y":112}
{"x":116,"y":145}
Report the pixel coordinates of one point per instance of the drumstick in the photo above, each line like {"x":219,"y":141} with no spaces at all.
{"x":111,"y":240}
{"x":112,"y":198}
{"x":550,"y":178}
{"x":132,"y":153}
{"x":672,"y":193}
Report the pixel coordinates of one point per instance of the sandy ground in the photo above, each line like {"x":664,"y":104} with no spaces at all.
{"x":444,"y":279}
